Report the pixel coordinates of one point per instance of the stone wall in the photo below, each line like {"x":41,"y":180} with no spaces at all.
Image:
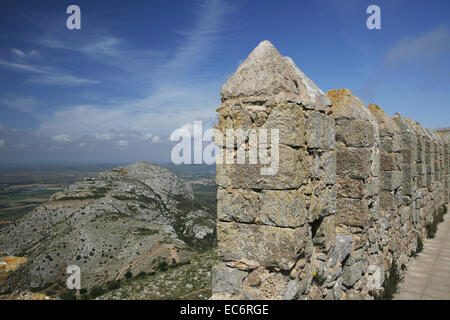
{"x":351,"y":192}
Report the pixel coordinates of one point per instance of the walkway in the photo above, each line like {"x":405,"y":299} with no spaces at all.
{"x":428,"y":276}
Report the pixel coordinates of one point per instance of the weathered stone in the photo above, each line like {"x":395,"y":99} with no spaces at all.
{"x":388,"y":161}
{"x":328,"y":167}
{"x":322,"y":202}
{"x":293,"y":289}
{"x":325,"y":234}
{"x":225,"y":279}
{"x":289,"y":120}
{"x":391,"y":180}
{"x":350,"y":188}
{"x":318,"y":130}
{"x":267,"y":245}
{"x":265,"y":72}
{"x":372,"y":180}
{"x":351,"y":273}
{"x":355,"y":133}
{"x":342,"y":248}
{"x":351,"y":212}
{"x":359,"y":160}
{"x":387,"y":201}
{"x":237,"y":205}
{"x":283,"y":208}
{"x":288,"y":173}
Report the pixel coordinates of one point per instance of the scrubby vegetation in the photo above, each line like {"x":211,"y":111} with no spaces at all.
{"x":390,"y":283}
{"x":190,"y":280}
{"x":438,"y":217}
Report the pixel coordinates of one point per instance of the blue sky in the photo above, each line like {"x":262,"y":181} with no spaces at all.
{"x":116,"y":89}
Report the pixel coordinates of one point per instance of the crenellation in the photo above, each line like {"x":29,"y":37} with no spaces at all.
{"x":351,"y":194}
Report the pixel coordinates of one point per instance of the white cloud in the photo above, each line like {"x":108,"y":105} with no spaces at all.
{"x":2,"y":142}
{"x":111,"y":51}
{"x":179,"y":92}
{"x":147,"y":136}
{"x":21,"y":146}
{"x":46,"y":75}
{"x":82,"y":144}
{"x":425,"y":45}
{"x":122,"y":143}
{"x":25,"y":104}
{"x":103,"y":136}
{"x":61,"y":80}
{"x":63,"y":138}
{"x":20,"y":54}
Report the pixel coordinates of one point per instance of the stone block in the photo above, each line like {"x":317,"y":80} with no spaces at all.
{"x":355,"y":133}
{"x":388,"y":161}
{"x":350,"y":188}
{"x":391,"y":180}
{"x":351,"y":212}
{"x":226,"y":279}
{"x":319,"y":130}
{"x":353,"y":163}
{"x":288,"y":172}
{"x":289,"y":120}
{"x":237,"y":205}
{"x":283,"y":208}
{"x":269,"y":246}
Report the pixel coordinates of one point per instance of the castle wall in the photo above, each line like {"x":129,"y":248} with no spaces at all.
{"x":318,"y":194}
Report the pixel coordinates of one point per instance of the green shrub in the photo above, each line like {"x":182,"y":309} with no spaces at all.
{"x":319,"y":279}
{"x":390,"y":283}
{"x":50,"y":293}
{"x":162,"y":266}
{"x":419,"y":245}
{"x":83,"y":291}
{"x":95,"y":292}
{"x":112,"y":285}
{"x":68,"y":295}
{"x":128,"y":275}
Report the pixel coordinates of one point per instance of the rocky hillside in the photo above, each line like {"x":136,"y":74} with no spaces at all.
{"x":122,"y":222}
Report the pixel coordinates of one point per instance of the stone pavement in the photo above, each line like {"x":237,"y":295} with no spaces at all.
{"x":428,"y":277}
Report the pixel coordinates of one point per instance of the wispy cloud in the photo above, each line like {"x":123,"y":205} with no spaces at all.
{"x":111,"y":51}
{"x":46,"y":75}
{"x":20,"y":54}
{"x":63,"y":138}
{"x":203,"y":38}
{"x":61,"y":80}
{"x":176,"y":91}
{"x":2,"y":142}
{"x":122,"y":143}
{"x":422,"y":46}
{"x":177,"y":94}
{"x":24,"y":104}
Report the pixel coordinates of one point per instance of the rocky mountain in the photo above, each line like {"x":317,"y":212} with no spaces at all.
{"x":125,"y":221}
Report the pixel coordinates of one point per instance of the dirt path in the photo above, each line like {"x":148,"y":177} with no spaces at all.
{"x":152,"y":252}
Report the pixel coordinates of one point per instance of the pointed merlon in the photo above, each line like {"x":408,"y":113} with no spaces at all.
{"x":266,"y":73}
{"x":347,"y":105}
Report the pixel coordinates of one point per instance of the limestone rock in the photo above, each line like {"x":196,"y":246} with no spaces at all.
{"x":267,"y":245}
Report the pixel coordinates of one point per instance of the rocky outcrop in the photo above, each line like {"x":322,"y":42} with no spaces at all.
{"x":353,"y":194}
{"x":119,"y":221}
